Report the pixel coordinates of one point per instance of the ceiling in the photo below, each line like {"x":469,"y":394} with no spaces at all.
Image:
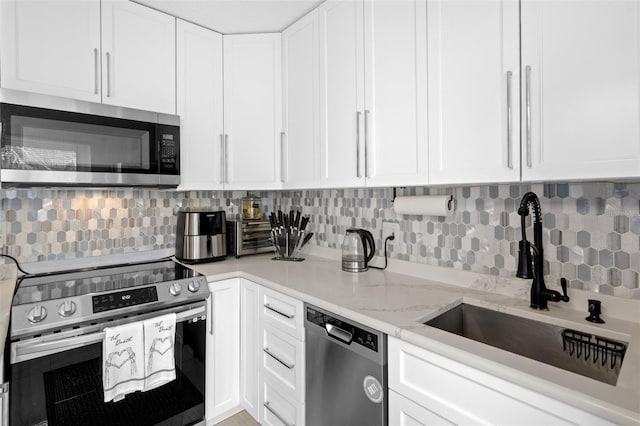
{"x":237,"y":16}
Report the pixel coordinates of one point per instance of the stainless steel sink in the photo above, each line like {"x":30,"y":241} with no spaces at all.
{"x":592,"y":356}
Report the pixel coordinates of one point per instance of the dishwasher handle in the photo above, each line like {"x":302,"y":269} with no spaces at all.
{"x":338,"y":333}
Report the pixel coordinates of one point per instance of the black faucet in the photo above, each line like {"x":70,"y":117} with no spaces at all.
{"x":529,"y":267}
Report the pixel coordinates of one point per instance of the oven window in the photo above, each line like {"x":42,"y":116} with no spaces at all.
{"x":66,"y":388}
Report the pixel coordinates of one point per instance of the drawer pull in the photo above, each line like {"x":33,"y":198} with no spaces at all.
{"x":266,"y":305}
{"x":268,"y":352}
{"x":272,"y":411}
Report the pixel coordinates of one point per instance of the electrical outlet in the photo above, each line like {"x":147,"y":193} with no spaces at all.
{"x":390,"y":228}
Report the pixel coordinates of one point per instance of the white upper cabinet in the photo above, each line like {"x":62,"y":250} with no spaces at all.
{"x":473,"y":77}
{"x":373,"y":93}
{"x":581,"y":86}
{"x":252,"y":111}
{"x":51,"y":47}
{"x":199,"y":96}
{"x":138,"y":57}
{"x":301,"y":106}
{"x":395,"y":112}
{"x":342,"y":93}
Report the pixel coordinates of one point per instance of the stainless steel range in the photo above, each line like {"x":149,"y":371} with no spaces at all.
{"x":55,"y":345}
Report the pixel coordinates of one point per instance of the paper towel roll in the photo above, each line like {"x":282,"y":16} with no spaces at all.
{"x":426,"y":205}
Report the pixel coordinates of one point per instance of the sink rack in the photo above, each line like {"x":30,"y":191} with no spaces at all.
{"x":587,"y":346}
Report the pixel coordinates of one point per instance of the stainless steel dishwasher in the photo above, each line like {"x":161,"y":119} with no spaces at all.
{"x":346,"y":371}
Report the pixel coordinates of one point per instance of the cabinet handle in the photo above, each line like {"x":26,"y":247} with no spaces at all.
{"x":266,"y":305}
{"x":272,"y":411}
{"x":211,"y":314}
{"x":225,"y":176}
{"x":358,"y":115}
{"x":509,"y":123}
{"x":268,"y":352}
{"x":108,"y":74}
{"x":283,"y":177}
{"x":221,"y":158}
{"x":366,"y":143}
{"x":96,"y":70}
{"x":4,"y":402}
{"x":528,"y":112}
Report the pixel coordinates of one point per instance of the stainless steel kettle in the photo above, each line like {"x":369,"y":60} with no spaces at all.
{"x":358,"y":249}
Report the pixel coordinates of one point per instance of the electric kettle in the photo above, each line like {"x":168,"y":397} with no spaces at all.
{"x":358,"y":249}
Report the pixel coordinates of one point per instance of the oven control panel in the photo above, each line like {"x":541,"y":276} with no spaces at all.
{"x":123,"y":299}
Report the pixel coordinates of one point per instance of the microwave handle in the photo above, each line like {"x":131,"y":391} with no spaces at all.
{"x":24,"y":351}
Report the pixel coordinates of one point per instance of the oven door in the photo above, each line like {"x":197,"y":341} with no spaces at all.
{"x":58,"y":380}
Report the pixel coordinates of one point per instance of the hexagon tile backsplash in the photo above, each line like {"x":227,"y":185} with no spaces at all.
{"x":591,"y":230}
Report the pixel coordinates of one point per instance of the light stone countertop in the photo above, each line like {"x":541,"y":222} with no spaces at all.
{"x":398,"y":304}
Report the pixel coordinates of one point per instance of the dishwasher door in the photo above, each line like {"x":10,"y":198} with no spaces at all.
{"x":346,"y":371}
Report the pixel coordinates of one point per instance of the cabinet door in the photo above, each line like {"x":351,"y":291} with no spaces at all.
{"x":581,"y":85}
{"x":342,"y":93}
{"x":404,"y":412}
{"x":138,"y":57}
{"x":250,"y":350}
{"x":473,"y":78}
{"x":51,"y":47}
{"x":395,"y":115}
{"x":301,"y":92}
{"x":223,"y":346}
{"x":199,"y":95}
{"x":252,"y":111}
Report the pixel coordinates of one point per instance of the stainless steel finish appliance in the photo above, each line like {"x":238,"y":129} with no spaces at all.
{"x":201,"y":236}
{"x":346,"y":371}
{"x":48,"y":143}
{"x":55,"y":344}
{"x":249,"y":237}
{"x":358,"y":248}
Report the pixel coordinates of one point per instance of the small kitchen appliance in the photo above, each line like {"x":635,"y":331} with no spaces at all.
{"x":358,"y":249}
{"x":248,"y":237}
{"x":201,"y":236}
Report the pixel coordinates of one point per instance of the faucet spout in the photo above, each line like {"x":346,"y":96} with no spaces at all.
{"x":531,"y":261}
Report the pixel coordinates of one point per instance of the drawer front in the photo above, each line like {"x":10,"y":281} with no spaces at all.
{"x":404,"y":412}
{"x":277,"y":409}
{"x":464,"y":395}
{"x":282,"y":312}
{"x":282,"y":359}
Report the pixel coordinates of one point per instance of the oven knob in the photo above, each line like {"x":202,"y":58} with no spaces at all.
{"x":175,"y":289}
{"x":67,"y":309}
{"x":194,"y":286}
{"x":37,"y":314}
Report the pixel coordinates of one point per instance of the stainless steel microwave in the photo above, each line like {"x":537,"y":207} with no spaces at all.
{"x":88,"y":145}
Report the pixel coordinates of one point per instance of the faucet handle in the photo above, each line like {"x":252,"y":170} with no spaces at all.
{"x":563,"y":284}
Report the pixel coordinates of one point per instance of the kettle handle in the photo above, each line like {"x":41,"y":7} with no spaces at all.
{"x":367,"y":239}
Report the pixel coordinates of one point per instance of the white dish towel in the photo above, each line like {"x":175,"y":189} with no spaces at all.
{"x":159,"y":339}
{"x":123,"y":361}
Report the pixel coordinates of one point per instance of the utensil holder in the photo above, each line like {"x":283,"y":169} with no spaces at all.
{"x":286,"y":245}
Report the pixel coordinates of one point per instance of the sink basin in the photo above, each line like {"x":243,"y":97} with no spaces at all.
{"x":582,"y":353}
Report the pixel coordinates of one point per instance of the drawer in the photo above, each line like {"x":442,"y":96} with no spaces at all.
{"x":282,"y":360}
{"x":464,"y":395}
{"x":403,"y":411}
{"x":277,"y":409}
{"x":282,"y":312}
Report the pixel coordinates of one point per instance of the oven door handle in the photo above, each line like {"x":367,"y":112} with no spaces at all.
{"x":30,"y":349}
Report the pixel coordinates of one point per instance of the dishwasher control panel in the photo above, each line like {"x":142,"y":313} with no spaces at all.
{"x":358,"y":335}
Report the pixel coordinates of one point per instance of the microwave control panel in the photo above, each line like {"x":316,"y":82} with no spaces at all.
{"x":169,"y":148}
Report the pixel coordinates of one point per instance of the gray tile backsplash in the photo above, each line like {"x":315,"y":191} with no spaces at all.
{"x":591,"y":230}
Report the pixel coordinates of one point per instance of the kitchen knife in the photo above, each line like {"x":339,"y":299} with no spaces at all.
{"x":305,"y":221}
{"x":297,"y":221}
{"x":279,"y":217}
{"x":306,"y":239}
{"x":291,"y":218}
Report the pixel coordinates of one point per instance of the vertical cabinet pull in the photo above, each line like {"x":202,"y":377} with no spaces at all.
{"x":366,"y":143}
{"x":108,"y":74}
{"x":96,"y":70}
{"x":283,"y":156}
{"x":221,"y":158}
{"x":225,"y":176}
{"x":358,"y":115}
{"x":278,"y":416}
{"x":509,"y":122}
{"x":211,"y":314}
{"x":528,"y":112}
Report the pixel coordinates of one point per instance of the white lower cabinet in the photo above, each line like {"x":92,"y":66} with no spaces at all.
{"x":250,"y":349}
{"x":223,"y":350}
{"x":278,"y":409}
{"x":448,"y":391}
